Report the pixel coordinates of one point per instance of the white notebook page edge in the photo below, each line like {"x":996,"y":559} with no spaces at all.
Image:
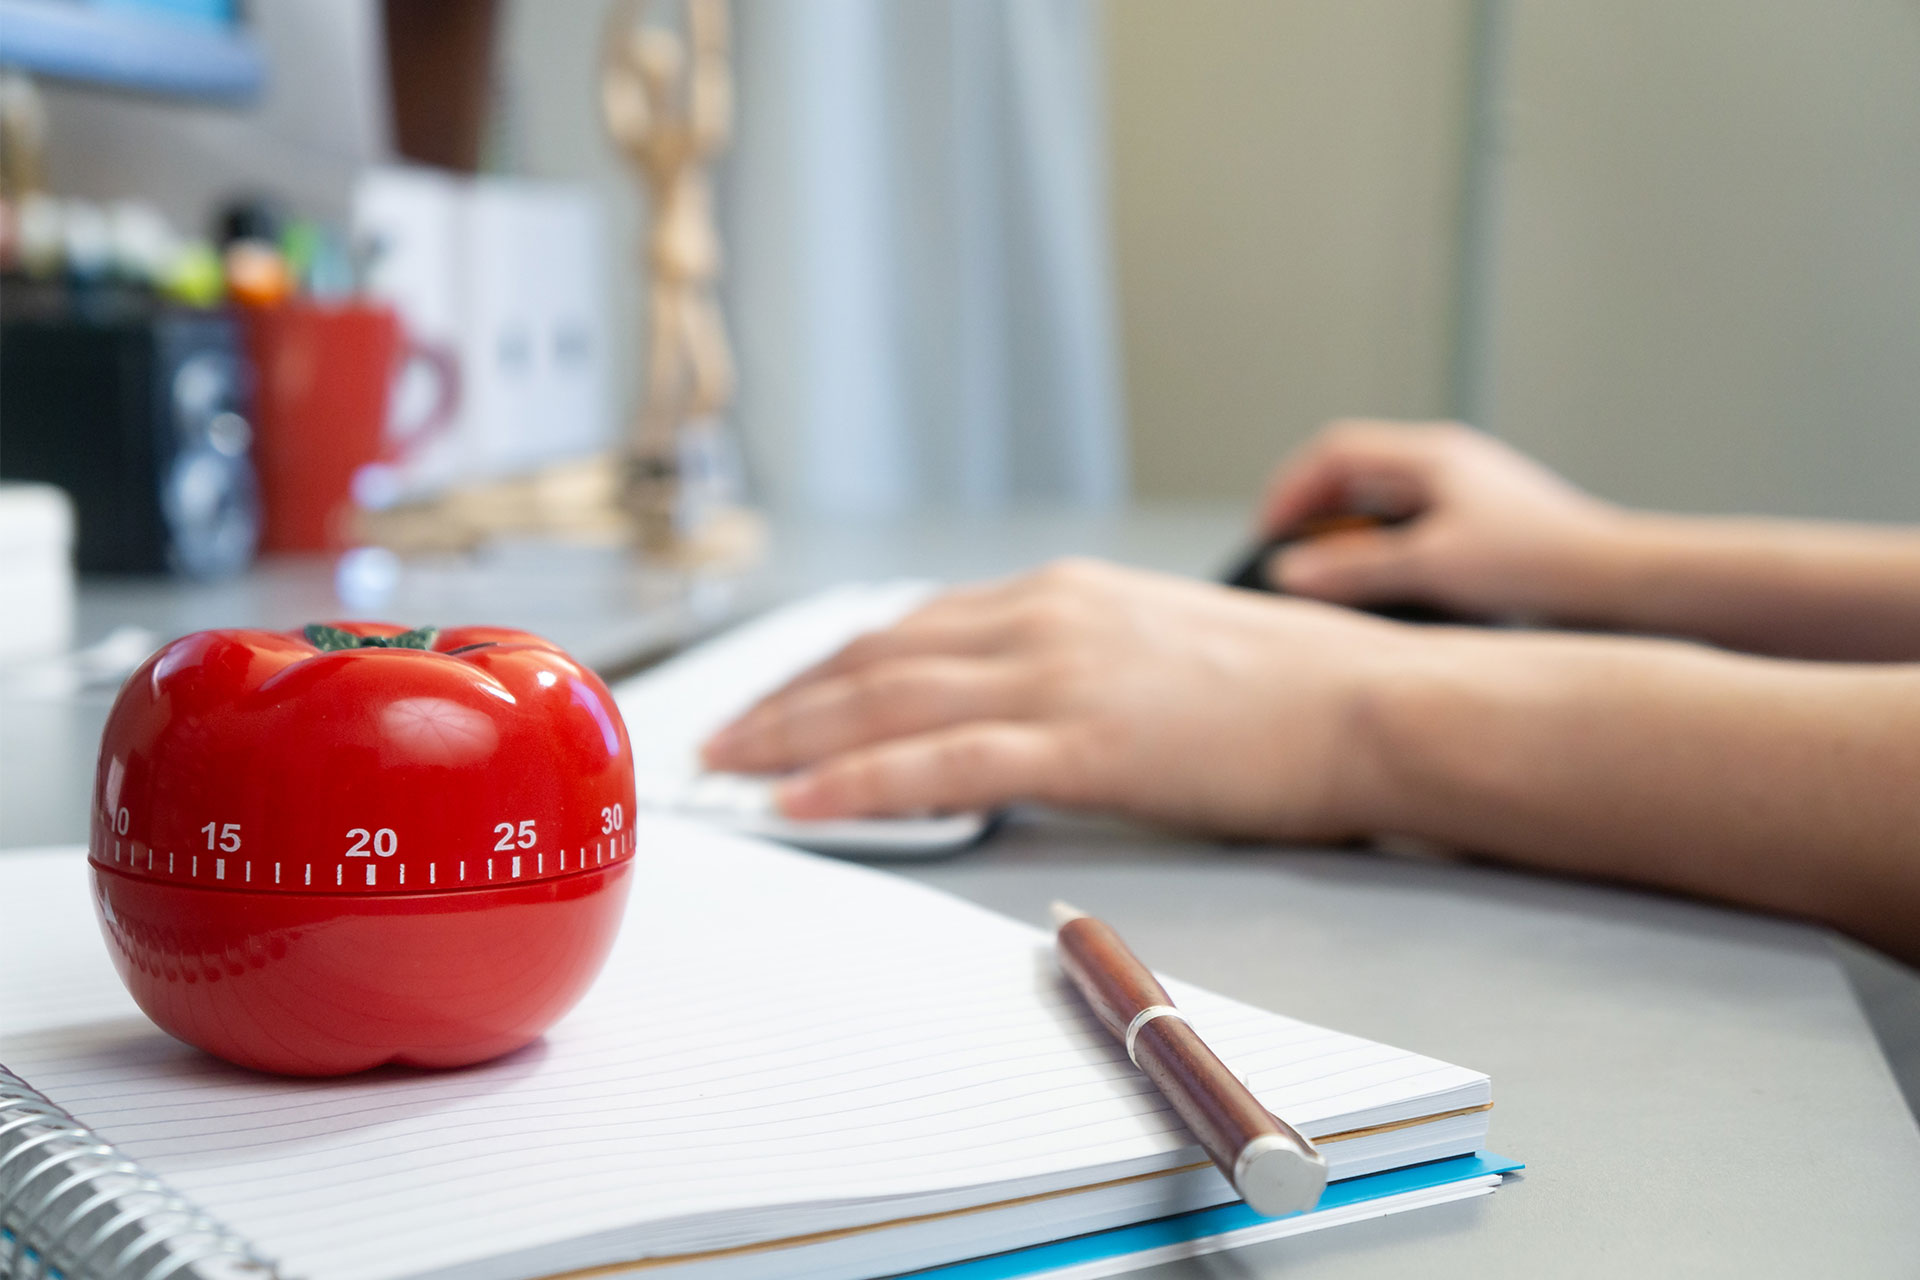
{"x":439,"y":1140}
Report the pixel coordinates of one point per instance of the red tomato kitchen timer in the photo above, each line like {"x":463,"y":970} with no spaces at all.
{"x":318,"y":852}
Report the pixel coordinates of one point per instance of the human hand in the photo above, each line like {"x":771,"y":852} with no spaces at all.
{"x":1492,"y":533}
{"x":1086,"y":686}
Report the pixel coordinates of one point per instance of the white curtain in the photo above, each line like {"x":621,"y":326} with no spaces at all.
{"x":920,"y":282}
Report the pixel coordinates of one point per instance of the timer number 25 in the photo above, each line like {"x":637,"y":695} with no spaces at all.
{"x":523,"y":836}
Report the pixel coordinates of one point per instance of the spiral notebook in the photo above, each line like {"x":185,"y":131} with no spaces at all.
{"x":790,"y":1067}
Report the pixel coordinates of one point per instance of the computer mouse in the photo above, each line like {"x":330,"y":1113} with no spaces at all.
{"x":1248,"y":572}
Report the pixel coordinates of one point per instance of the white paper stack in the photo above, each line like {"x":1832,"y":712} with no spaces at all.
{"x":790,"y":1067}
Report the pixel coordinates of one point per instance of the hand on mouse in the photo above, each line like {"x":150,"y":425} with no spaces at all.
{"x":1087,"y":686}
{"x":1493,"y":533}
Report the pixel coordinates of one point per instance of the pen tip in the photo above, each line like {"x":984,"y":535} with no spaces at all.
{"x":1064,"y":913}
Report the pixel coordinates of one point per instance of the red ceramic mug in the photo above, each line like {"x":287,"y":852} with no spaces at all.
{"x":323,"y":388}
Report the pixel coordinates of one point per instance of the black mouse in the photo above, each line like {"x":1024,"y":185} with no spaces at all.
{"x":1249,"y":571}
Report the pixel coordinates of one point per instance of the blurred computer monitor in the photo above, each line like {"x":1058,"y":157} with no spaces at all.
{"x":199,"y":49}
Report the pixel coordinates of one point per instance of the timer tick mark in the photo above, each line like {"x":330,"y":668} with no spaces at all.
{"x":219,"y":868}
{"x":276,"y":873}
{"x":339,"y":876}
{"x":309,"y":879}
{"x":516,"y":866}
{"x":369,"y":875}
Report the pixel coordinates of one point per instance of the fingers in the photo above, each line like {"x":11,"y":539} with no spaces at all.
{"x":960,"y":620}
{"x":981,"y":765}
{"x":1380,"y":467}
{"x":951,"y":633}
{"x":892,"y":699}
{"x":972,"y":621}
{"x":1310,"y":482}
{"x":1357,"y":567}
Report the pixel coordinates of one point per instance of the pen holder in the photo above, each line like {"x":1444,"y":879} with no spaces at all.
{"x":319,"y":852}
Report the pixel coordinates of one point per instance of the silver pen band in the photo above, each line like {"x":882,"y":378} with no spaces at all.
{"x":1142,"y":1018}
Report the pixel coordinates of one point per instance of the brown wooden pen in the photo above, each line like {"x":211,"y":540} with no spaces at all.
{"x":1274,"y":1168}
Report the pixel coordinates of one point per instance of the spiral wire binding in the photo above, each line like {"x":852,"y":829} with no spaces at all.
{"x":74,"y":1208}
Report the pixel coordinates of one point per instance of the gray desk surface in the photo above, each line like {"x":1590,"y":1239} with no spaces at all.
{"x":1696,"y":1090}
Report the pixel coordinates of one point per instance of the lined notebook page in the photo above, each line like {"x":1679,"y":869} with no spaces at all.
{"x":779,"y":1043}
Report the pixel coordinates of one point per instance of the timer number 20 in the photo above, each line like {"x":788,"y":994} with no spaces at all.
{"x":385,"y":842}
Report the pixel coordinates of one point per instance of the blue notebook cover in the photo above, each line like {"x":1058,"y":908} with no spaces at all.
{"x":1219,"y":1220}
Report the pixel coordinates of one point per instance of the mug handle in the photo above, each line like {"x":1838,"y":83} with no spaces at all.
{"x":401,"y":445}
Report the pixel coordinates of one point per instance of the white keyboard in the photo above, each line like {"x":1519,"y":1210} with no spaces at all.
{"x":674,"y":707}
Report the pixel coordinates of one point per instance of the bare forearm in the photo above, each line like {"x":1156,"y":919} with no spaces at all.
{"x":1784,"y":786}
{"x":1791,"y":588}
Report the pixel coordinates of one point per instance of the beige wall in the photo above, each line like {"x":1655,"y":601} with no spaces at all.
{"x":1708,"y":289}
{"x":1703,"y":290}
{"x":1286,"y":184}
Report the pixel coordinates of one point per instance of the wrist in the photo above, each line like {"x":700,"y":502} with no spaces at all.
{"x":1443,"y":733}
{"x":1397,"y":714}
{"x":1647,"y":569}
{"x":1598,"y":581}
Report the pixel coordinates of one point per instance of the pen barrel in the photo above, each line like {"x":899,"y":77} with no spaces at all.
{"x":1110,"y":977}
{"x":1216,"y":1107}
{"x":1263,"y":1157}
